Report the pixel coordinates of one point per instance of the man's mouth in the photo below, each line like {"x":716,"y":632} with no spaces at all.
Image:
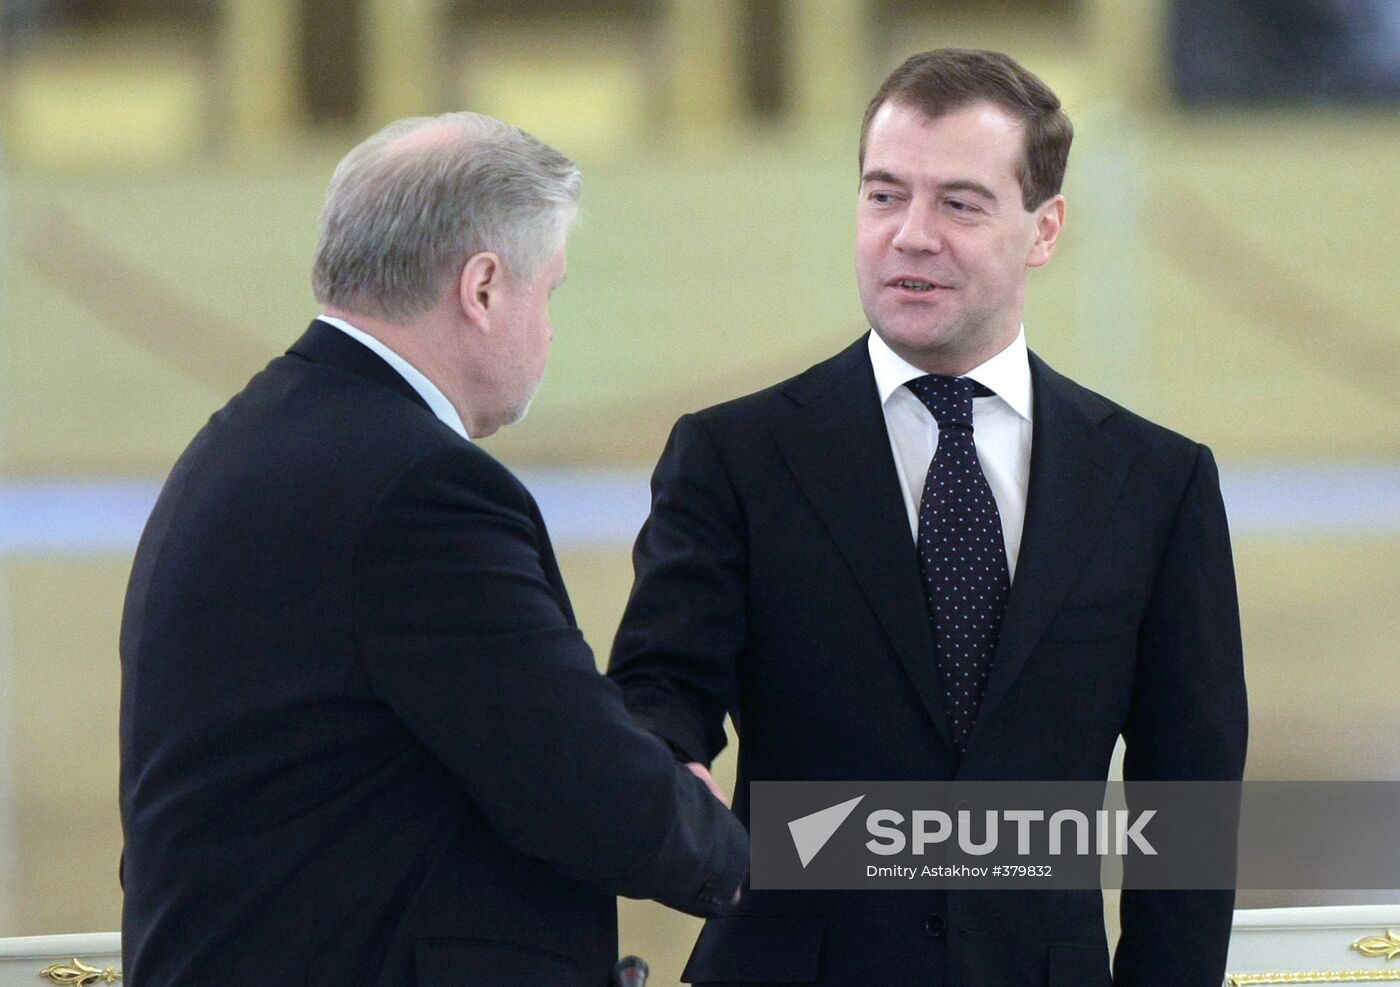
{"x":915,"y":284}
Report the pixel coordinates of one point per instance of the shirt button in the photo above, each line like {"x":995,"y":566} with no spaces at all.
{"x":936,"y":926}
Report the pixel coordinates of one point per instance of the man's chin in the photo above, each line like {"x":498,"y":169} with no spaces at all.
{"x":517,"y":413}
{"x":904,"y":336}
{"x":520,"y":413}
{"x":504,"y":419}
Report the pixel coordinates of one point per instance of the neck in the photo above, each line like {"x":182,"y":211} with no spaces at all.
{"x":428,"y":344}
{"x":954,"y":363}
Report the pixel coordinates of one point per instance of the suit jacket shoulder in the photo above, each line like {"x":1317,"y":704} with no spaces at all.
{"x":1127,"y":426}
{"x":843,"y":369}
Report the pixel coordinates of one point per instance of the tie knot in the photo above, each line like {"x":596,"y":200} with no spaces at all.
{"x":949,"y":399}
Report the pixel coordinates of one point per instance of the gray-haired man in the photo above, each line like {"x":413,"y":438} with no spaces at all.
{"x":362,"y":738}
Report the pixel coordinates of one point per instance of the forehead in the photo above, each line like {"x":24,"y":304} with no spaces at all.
{"x":980,"y":141}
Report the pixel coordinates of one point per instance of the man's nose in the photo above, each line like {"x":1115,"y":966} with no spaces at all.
{"x":920,"y":232}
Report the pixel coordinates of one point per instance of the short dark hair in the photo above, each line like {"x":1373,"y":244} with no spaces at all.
{"x":947,"y":79}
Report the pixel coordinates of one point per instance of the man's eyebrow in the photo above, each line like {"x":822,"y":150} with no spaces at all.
{"x":880,"y":175}
{"x":968,"y":185}
{"x":957,"y":185}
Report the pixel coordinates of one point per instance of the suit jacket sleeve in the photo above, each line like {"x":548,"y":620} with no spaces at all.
{"x":460,"y":631}
{"x":1187,"y":721}
{"x":683,"y":630}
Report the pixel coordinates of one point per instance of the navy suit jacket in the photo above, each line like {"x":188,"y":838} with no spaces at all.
{"x":776,"y":581}
{"x":362,"y":739}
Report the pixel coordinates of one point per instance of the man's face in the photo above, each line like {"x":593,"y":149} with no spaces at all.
{"x":943,"y":243}
{"x":525,"y":339}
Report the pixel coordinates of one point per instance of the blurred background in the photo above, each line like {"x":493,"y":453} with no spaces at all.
{"x":1228,"y":269}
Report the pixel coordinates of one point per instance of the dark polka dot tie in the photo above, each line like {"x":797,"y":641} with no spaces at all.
{"x":961,"y":552}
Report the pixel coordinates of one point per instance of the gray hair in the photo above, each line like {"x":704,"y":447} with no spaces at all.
{"x":408,"y":207}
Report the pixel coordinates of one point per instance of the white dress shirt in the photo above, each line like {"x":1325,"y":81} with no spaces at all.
{"x":1001,"y":431}
{"x":426,"y":389}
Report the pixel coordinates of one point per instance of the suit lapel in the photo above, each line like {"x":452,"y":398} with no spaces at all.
{"x":837,"y":447}
{"x":1076,"y":473}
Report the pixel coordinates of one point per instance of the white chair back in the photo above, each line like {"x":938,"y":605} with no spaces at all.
{"x":1336,"y":944}
{"x":86,"y":960}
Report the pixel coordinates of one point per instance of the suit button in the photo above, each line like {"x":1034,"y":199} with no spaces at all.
{"x":936,"y":926}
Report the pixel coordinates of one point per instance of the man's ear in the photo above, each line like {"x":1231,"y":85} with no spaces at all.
{"x":478,"y":288}
{"x":1049,"y":221}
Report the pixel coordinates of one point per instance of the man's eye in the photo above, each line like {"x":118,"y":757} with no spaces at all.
{"x":957,"y":205}
{"x":882,"y":198}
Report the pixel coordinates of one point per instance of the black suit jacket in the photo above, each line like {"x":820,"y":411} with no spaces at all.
{"x":362,"y":738}
{"x":777,"y":581}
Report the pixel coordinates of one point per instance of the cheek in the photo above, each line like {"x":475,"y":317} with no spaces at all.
{"x":869,"y":254}
{"x":871,"y":234}
{"x":984,"y":257}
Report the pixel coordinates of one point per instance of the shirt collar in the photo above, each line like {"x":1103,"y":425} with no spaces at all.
{"x":1008,"y":374}
{"x":427,"y":390}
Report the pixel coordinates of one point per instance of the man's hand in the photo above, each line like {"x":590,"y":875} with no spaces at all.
{"x":703,"y":773}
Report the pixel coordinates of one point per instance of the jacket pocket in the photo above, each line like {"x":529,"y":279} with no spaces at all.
{"x":1079,"y":966}
{"x":488,"y":963}
{"x":765,"y":949}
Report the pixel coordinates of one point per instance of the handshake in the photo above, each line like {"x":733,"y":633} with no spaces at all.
{"x":703,"y":773}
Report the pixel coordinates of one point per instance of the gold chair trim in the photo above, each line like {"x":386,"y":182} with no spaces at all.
{"x":1387,"y":945}
{"x":78,"y":974}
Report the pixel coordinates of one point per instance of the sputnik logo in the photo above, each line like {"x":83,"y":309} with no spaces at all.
{"x":811,"y":832}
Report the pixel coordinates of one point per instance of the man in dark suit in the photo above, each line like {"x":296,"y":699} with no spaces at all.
{"x":831,"y":562}
{"x":362,"y":738}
